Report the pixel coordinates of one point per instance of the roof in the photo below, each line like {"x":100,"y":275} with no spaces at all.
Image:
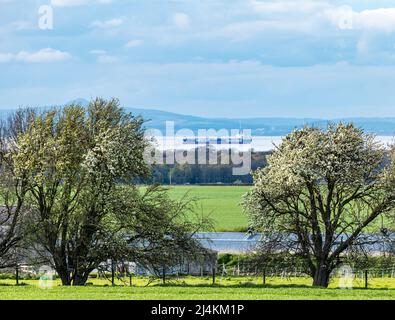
{"x":239,"y":242}
{"x":228,"y":242}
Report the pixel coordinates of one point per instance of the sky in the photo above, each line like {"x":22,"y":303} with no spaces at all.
{"x":218,"y":58}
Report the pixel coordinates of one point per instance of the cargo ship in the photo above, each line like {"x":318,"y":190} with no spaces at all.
{"x":239,"y":140}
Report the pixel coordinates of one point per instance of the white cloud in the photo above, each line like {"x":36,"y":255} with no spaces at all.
{"x":304,"y":6}
{"x":107,"y":59}
{"x":134,"y":43}
{"x":103,"y":56}
{"x":73,"y":3}
{"x":98,"y":52}
{"x":342,"y":17}
{"x":43,"y":55}
{"x":6,"y":57}
{"x":21,"y":25}
{"x":181,"y":20}
{"x":112,"y":23}
{"x":378,"y":19}
{"x":382,"y":19}
{"x":306,"y":16}
{"x":249,"y":29}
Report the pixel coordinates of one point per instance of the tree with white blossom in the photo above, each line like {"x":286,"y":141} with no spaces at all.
{"x":323,"y":189}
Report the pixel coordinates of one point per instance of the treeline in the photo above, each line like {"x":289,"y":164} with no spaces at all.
{"x":206,"y":173}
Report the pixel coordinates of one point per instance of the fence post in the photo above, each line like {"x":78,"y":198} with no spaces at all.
{"x":264,"y":276}
{"x":112,"y":273}
{"x":214,"y":275}
{"x":17,"y":274}
{"x":366,"y":279}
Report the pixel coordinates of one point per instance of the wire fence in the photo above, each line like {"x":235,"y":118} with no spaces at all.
{"x":240,"y":273}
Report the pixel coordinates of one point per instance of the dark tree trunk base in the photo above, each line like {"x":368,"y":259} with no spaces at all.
{"x":321,"y":277}
{"x":65,"y":278}
{"x":80,"y":279}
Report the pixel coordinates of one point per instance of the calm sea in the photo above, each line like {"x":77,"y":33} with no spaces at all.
{"x":259,"y":143}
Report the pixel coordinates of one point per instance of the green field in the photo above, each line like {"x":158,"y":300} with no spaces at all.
{"x":223,"y":203}
{"x":201,"y":289}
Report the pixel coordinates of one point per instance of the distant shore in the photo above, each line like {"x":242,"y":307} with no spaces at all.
{"x":259,"y":143}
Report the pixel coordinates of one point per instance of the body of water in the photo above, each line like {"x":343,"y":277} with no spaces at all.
{"x":259,"y":143}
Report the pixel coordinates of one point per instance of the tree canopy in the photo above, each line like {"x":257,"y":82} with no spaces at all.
{"x":322,"y":189}
{"x":75,"y":169}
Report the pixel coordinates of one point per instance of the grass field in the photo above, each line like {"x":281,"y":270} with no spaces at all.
{"x":201,"y":289}
{"x":223,"y":203}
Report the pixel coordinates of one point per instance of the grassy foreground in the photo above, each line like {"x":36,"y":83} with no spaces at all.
{"x":201,"y":289}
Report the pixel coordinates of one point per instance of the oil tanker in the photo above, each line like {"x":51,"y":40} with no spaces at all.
{"x":239,"y":140}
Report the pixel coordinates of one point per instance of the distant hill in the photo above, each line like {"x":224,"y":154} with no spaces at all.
{"x":259,"y":126}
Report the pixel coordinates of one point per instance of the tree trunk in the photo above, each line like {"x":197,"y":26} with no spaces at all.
{"x":321,"y":276}
{"x":80,"y":279}
{"x":64,"y":276}
{"x":112,"y":273}
{"x":61,"y":268}
{"x":264,"y":276}
{"x":214,"y":271}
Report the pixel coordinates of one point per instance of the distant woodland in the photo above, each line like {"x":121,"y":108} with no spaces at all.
{"x":173,"y":174}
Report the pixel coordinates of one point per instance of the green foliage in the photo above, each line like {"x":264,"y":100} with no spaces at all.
{"x":320,"y":184}
{"x":80,"y":166}
{"x":76,"y":162}
{"x":158,"y":231}
{"x":178,"y":174}
{"x":74,"y":159}
{"x":226,"y":259}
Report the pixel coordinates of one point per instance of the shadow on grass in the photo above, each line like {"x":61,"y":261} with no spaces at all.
{"x":236,"y":285}
{"x":208,"y":286}
{"x":22,"y":284}
{"x":262,"y":286}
